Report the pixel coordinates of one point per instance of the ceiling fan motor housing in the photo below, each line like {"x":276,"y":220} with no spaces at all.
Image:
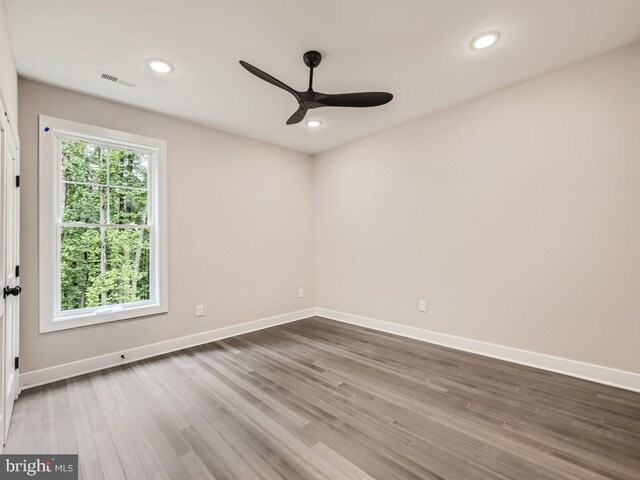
{"x":312,"y":58}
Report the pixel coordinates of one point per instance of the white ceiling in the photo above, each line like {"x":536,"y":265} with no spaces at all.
{"x":416,"y":49}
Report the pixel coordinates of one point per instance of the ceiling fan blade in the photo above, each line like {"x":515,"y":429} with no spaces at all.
{"x":297,"y":117}
{"x":268,"y":78}
{"x":359,"y":100}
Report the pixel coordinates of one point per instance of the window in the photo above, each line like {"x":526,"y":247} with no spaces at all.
{"x":102,"y":225}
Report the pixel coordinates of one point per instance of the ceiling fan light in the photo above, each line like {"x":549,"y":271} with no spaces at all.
{"x":314,"y":123}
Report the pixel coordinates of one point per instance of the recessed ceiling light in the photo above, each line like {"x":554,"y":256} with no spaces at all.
{"x":159,"y":66}
{"x":314,"y":123}
{"x":485,"y":40}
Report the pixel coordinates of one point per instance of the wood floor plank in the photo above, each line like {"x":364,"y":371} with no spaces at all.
{"x":167,"y":443}
{"x":322,"y":400}
{"x":126,"y":452}
{"x":149,"y":459}
{"x":64,"y":425}
{"x":109,"y":459}
{"x":48,"y":441}
{"x":88,"y":458}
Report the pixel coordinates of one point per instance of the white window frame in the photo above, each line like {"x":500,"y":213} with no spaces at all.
{"x":51,"y":132}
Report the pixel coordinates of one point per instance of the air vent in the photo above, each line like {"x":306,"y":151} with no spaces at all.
{"x":116,"y":79}
{"x":108,"y":76}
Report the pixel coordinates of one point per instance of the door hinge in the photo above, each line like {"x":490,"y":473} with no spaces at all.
{"x":17,"y":180}
{"x":17,"y":270}
{"x":17,"y":363}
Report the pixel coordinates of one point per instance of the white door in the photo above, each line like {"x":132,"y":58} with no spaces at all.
{"x":11,"y":288}
{"x":3,"y":149}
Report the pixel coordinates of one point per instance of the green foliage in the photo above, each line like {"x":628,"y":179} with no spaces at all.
{"x":103,"y":265}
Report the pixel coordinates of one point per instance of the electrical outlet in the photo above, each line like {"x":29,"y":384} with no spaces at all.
{"x":301,"y":293}
{"x":422,"y":306}
{"x":199,"y":310}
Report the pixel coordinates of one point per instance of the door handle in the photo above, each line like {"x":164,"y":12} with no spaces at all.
{"x":15,"y":291}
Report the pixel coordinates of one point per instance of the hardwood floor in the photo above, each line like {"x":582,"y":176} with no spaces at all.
{"x":317,"y":399}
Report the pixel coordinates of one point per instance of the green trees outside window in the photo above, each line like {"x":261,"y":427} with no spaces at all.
{"x":104,"y":229}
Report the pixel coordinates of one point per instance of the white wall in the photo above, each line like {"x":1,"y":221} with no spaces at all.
{"x":8,"y":75}
{"x":240,"y":229}
{"x":516,"y":216}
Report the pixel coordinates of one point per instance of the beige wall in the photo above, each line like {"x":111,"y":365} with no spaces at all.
{"x":8,"y":76}
{"x":516,"y":216}
{"x":240,"y":229}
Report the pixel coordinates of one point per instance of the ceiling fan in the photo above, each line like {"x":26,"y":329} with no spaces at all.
{"x":310,"y":99}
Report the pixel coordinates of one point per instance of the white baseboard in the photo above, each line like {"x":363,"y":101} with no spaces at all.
{"x":87,"y":365}
{"x":586,"y":371}
{"x":573,"y":368}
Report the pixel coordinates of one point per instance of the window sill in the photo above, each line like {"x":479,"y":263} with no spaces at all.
{"x":96,"y":318}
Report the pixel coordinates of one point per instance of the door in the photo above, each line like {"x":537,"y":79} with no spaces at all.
{"x":3,"y":149}
{"x":11,"y":288}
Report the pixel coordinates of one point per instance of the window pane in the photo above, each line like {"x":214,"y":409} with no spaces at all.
{"x":127,"y":207}
{"x":79,"y":265}
{"x":103,"y":266}
{"x":84,"y":162}
{"x":128,"y":264}
{"x":83,"y":203}
{"x":128,"y":169}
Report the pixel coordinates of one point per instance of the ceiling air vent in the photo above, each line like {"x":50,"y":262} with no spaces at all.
{"x":116,"y":79}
